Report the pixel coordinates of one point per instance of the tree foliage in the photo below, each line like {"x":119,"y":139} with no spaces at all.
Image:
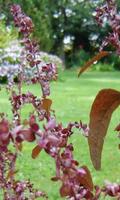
{"x":63,"y":27}
{"x":56,"y":20}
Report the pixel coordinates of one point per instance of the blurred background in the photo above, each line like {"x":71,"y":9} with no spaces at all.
{"x":65,"y":29}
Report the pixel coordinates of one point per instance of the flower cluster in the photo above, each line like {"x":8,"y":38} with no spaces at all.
{"x":108,"y":13}
{"x":41,"y":72}
{"x":13,"y":189}
{"x":21,"y":20}
{"x":112,"y":190}
{"x":18,"y":101}
{"x":73,"y":178}
{"x":10,"y":63}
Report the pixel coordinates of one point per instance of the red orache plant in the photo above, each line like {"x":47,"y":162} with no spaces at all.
{"x":108,"y":12}
{"x":76,"y":181}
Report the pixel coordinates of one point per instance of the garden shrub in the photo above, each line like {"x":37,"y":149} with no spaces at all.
{"x":103,"y":67}
{"x":9,"y":60}
{"x":76,"y":58}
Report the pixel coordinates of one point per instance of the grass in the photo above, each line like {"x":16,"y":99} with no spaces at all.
{"x":72,"y":99}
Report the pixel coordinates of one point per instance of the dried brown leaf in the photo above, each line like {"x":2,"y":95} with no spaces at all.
{"x":36,"y":151}
{"x":46,"y":105}
{"x":100,"y":55}
{"x":103,"y":106}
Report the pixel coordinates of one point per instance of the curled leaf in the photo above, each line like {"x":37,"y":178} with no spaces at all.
{"x":103,"y":106}
{"x":36,"y":151}
{"x":65,"y":190}
{"x":96,"y":58}
{"x":86,"y":179}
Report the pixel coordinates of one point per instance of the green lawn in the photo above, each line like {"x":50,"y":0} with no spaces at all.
{"x":72,"y":99}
